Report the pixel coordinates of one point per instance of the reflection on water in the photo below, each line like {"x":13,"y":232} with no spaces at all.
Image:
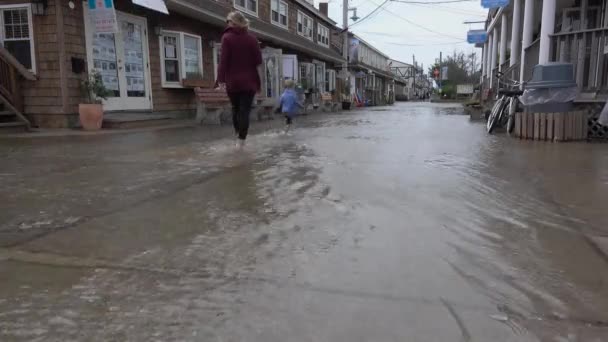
{"x":366,"y":221}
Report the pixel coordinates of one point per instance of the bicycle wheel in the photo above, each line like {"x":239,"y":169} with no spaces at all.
{"x":495,"y":116}
{"x":511,"y":120}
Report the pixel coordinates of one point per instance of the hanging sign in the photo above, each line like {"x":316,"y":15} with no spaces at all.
{"x":477,"y":36}
{"x":444,"y":73}
{"x":103,"y":16}
{"x":494,"y":3}
{"x":156,"y":5}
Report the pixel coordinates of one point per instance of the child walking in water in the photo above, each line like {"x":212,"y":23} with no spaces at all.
{"x":289,"y":104}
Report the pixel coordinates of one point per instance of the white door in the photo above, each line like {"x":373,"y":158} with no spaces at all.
{"x":122,"y":59}
{"x":320,"y":75}
{"x":271,"y":79}
{"x":217,"y":48}
{"x":290,"y":67}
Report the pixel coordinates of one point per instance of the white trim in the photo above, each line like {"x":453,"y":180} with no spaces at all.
{"x":319,"y":26}
{"x":278,"y":23}
{"x":161,"y":44}
{"x":312,"y":28}
{"x":216,"y":62}
{"x":246,"y":10}
{"x":181,"y":61}
{"x":123,"y":101}
{"x":28,"y":7}
{"x":200,"y":53}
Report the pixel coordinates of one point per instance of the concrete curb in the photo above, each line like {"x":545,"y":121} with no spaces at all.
{"x":53,"y":133}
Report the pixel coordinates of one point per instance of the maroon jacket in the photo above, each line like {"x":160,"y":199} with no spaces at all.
{"x":240,"y":56}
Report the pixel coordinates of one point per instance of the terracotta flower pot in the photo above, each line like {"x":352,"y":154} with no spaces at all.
{"x":91,"y":116}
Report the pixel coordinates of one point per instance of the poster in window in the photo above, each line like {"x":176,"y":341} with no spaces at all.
{"x":103,"y":16}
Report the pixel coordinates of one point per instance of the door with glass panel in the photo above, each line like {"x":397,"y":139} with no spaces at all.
{"x":122,"y":60}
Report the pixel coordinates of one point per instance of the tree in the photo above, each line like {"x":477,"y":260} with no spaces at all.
{"x":462,"y":68}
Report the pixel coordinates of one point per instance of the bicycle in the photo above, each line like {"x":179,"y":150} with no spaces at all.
{"x":503,"y":111}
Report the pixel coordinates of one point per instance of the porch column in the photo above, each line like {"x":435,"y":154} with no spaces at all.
{"x":547,"y":27}
{"x":527,"y":35}
{"x":493,"y":55}
{"x":503,"y":42}
{"x":515,"y":30}
{"x":484,"y":53}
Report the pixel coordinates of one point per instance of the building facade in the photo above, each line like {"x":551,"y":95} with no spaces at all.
{"x":531,"y":32}
{"x":411,"y":83}
{"x":371,"y":81}
{"x":155,"y":59}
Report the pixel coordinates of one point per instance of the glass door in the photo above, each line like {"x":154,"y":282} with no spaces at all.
{"x":122,"y":59}
{"x":133,"y":62}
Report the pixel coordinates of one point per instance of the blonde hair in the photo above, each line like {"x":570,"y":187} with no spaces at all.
{"x":289,"y":83}
{"x":238,"y":19}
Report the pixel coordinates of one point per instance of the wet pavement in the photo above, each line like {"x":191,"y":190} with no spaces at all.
{"x":404,"y":223}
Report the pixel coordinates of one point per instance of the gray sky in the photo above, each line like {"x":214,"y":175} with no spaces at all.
{"x":431,"y":28}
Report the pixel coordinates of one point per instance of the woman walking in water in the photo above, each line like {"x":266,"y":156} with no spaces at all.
{"x":240,"y":57}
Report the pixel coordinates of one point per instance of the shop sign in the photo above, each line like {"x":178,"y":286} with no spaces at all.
{"x":103,"y":16}
{"x":477,"y":36}
{"x":494,"y":3}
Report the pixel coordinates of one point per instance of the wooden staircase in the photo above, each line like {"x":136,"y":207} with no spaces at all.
{"x":11,"y":99}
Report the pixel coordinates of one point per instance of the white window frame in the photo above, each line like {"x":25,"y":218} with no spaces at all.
{"x":300,"y":17}
{"x":181,"y":58}
{"x":247,"y":10}
{"x":321,"y":28}
{"x":30,"y":24}
{"x":279,"y":3}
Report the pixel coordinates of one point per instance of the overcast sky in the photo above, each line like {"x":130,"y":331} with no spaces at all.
{"x":431,"y":28}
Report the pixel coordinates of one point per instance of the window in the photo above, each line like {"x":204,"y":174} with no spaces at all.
{"x":322,"y":35}
{"x":278,"y":12}
{"x":249,"y":6}
{"x":307,"y":76}
{"x":305,"y":25}
{"x":16,"y":35}
{"x":181,"y":58}
{"x":330,"y":80}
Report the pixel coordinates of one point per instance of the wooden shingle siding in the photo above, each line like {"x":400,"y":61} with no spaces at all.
{"x":52,"y":100}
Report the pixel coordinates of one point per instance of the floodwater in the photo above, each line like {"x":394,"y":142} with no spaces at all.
{"x":403,"y":223}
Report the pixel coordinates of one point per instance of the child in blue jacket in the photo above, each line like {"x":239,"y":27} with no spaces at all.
{"x":289,"y":103}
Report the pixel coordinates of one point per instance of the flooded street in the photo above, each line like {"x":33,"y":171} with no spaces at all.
{"x":403,"y":223}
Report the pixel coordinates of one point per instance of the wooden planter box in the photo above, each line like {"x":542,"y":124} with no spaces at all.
{"x":557,"y":127}
{"x":194,"y":83}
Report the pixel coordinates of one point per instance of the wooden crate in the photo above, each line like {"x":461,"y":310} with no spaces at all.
{"x":567,"y":126}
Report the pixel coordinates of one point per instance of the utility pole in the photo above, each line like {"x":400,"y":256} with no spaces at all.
{"x":440,"y":68}
{"x":346,"y":45}
{"x":414,"y":65}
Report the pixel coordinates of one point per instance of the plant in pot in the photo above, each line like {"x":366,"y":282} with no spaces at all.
{"x":91,"y":112}
{"x":346,"y":98}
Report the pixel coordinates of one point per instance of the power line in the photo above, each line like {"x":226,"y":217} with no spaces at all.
{"x":448,"y":9}
{"x":437,"y":44}
{"x":416,"y":24}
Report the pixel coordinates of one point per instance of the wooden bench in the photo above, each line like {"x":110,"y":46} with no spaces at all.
{"x":210,"y":105}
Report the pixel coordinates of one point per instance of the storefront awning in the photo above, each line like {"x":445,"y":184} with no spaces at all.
{"x":155,"y":5}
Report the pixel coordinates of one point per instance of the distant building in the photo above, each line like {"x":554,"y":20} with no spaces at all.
{"x":410,"y":82}
{"x":371,"y":80}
